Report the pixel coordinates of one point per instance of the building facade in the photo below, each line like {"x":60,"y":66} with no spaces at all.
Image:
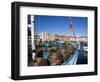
{"x":47,"y":36}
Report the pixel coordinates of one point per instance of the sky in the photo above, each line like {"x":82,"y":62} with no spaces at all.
{"x":61,"y":25}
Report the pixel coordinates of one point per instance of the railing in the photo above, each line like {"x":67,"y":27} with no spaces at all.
{"x":72,"y":60}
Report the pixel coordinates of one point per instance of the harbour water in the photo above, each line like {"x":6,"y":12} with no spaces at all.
{"x":82,"y":56}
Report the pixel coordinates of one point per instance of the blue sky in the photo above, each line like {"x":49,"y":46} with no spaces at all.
{"x":60,"y":25}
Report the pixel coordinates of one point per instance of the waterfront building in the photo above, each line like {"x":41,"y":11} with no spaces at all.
{"x":47,"y":36}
